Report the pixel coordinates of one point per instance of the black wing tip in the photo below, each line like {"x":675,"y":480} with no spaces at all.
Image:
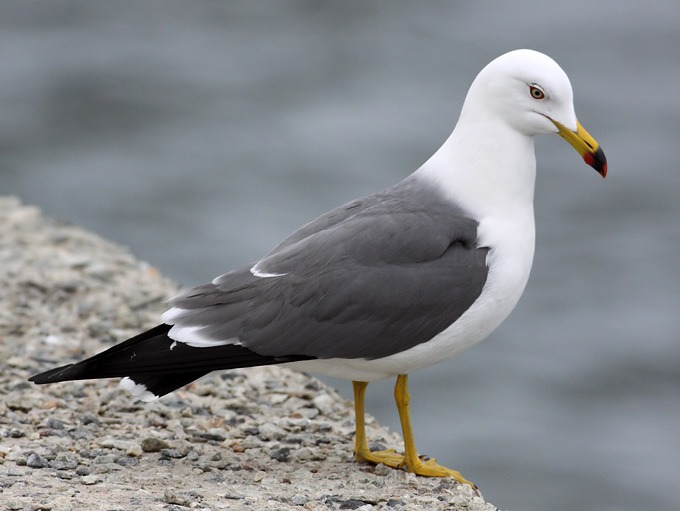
{"x":51,"y":376}
{"x":85,"y":369}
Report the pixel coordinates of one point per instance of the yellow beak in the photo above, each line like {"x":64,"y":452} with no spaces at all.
{"x":585,"y":145}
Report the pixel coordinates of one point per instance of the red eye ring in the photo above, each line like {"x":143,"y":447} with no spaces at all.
{"x":536,"y":92}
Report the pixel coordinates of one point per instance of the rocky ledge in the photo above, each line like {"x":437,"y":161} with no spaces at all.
{"x":264,"y":438}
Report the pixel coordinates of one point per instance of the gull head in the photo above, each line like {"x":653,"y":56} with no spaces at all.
{"x":531,"y":93}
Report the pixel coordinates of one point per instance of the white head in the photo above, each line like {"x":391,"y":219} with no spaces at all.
{"x":526,"y":89}
{"x":531,"y":93}
{"x":488,"y":163}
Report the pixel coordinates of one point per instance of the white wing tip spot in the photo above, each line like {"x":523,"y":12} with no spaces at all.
{"x":138,"y":390}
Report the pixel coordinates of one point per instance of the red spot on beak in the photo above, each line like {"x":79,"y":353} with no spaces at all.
{"x":597,"y":160}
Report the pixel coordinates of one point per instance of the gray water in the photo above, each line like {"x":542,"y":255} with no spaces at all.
{"x":201,"y":133}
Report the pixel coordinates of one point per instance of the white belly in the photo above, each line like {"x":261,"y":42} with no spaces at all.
{"x":509,"y":264}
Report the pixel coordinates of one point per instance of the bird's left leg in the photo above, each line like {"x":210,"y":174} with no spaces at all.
{"x":412,"y":462}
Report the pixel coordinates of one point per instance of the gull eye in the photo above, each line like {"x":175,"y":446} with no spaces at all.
{"x":536,"y":92}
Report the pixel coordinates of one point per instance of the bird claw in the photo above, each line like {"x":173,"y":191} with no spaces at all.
{"x":426,"y":467}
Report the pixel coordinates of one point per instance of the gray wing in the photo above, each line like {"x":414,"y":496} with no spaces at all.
{"x":367,"y":280}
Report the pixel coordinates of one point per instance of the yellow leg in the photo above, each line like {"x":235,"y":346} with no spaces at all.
{"x":410,"y":459}
{"x":413,"y":463}
{"x":362,"y":453}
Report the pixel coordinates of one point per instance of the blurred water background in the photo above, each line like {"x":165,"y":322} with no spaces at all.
{"x":201,"y":133}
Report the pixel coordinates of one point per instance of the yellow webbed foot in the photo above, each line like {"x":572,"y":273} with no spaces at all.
{"x":388,"y":457}
{"x":425,"y":468}
{"x":431,"y":468}
{"x":410,"y":460}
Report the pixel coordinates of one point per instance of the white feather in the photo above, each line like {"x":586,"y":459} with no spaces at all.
{"x":138,"y":390}
{"x":263,"y":274}
{"x":191,"y":335}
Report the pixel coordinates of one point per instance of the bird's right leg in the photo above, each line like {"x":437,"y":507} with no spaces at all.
{"x":362,"y":453}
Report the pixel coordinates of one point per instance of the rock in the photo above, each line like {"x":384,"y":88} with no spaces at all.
{"x":64,"y":461}
{"x":105,"y":459}
{"x":80,"y":433}
{"x":173,"y":453}
{"x":17,"y":362}
{"x":355,"y":504}
{"x":170,"y":497}
{"x":37,"y":461}
{"x":135,"y":450}
{"x":54,"y":423}
{"x":89,"y":418}
{"x":83,"y":471}
{"x":299,"y":500}
{"x":91,"y":479}
{"x":282,"y":454}
{"x":111,"y":442}
{"x":214,"y":434}
{"x":152,"y":444}
{"x":268,"y":431}
{"x":246,"y":439}
{"x":324,"y":403}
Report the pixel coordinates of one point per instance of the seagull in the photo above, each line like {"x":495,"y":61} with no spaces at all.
{"x":385,"y":284}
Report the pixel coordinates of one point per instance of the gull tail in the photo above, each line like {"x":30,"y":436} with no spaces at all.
{"x":152,"y":364}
